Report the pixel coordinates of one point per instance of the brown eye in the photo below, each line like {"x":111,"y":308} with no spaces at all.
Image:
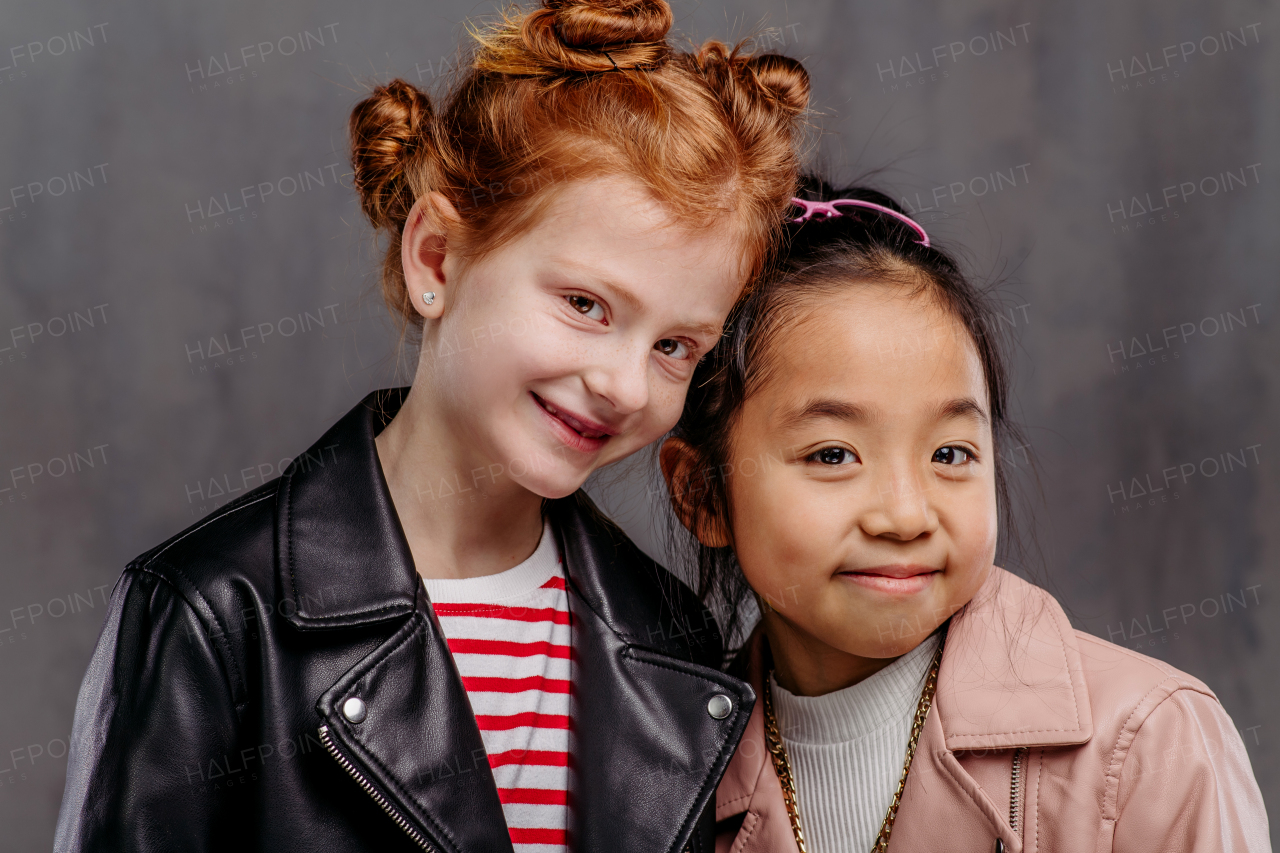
{"x":952,"y":456}
{"x":587,"y":307}
{"x":672,"y":347}
{"x":834,"y":456}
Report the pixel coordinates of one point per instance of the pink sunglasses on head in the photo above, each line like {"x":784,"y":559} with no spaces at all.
{"x":829,"y":210}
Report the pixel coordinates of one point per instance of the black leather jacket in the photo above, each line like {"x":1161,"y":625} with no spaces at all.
{"x":211,"y":715}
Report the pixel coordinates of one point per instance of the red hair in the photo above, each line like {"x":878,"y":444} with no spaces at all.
{"x":576,"y":90}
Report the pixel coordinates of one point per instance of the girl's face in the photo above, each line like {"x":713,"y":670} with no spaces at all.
{"x":572,"y":346}
{"x":862,"y":492}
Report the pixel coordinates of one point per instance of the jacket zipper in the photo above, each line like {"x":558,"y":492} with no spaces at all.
{"x":1015,"y":790}
{"x":354,"y":773}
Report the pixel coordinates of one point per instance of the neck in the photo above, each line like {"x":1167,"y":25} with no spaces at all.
{"x":456,"y":526}
{"x":806,"y":666}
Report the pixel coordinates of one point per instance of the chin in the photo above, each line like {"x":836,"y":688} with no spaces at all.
{"x":553,"y":487}
{"x":899,"y":645}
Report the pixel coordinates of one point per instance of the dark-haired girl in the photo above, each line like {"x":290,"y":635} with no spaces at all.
{"x":840,"y":459}
{"x":423,"y":636}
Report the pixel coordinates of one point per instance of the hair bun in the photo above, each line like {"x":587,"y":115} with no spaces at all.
{"x":602,"y":25}
{"x":783,"y":78}
{"x":387,"y":128}
{"x":573,"y":35}
{"x":780,"y":81}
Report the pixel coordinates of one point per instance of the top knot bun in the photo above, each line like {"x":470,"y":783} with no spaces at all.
{"x":574,"y":35}
{"x":602,"y":25}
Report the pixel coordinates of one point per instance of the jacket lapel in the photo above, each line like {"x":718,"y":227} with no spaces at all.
{"x":647,"y":751}
{"x":943,"y":808}
{"x":419,"y":743}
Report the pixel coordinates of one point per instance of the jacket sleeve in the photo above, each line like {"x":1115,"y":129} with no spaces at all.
{"x":155,"y":730}
{"x":1186,"y":783}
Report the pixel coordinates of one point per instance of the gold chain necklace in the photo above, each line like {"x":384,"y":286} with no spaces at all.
{"x":782,"y":766}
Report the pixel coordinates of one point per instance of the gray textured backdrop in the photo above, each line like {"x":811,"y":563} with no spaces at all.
{"x":1111,"y":161}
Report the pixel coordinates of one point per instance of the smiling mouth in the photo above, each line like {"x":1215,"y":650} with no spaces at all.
{"x":585,"y":429}
{"x":902,"y":580}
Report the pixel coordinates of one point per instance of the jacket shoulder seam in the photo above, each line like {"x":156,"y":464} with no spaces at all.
{"x":1129,"y":733}
{"x":223,"y":513}
{"x":233,"y":678}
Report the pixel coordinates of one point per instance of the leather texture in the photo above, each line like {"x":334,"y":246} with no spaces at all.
{"x":1119,"y":752}
{"x":211,"y":716}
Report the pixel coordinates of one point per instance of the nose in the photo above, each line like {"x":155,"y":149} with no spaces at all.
{"x":622,"y":379}
{"x":902,"y":509}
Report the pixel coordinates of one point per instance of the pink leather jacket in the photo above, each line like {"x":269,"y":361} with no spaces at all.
{"x":1043,"y":738}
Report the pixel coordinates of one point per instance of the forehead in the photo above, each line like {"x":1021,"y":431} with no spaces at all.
{"x":875,"y":344}
{"x":614,"y":227}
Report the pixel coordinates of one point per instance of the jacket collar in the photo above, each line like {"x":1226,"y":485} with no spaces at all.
{"x":1011,"y":674}
{"x":335,"y":522}
{"x":1010,"y":677}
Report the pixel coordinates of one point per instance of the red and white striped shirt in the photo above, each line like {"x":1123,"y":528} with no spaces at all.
{"x":510,"y":638}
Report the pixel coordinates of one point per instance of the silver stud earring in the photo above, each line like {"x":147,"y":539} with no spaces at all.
{"x":429,"y":297}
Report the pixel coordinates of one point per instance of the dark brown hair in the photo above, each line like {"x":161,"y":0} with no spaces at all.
{"x":574,"y":90}
{"x":822,"y":257}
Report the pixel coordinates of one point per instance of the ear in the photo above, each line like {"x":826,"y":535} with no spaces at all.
{"x":679,"y":464}
{"x":424,"y":253}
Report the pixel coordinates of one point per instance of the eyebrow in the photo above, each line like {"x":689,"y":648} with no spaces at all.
{"x":962,"y":408}
{"x":959,"y":408}
{"x":826,"y":408}
{"x":624,"y":295}
{"x":711,"y":330}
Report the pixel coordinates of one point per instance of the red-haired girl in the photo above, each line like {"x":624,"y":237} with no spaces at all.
{"x":423,"y":636}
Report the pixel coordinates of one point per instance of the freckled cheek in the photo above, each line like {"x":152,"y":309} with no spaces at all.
{"x":666,"y":400}
{"x":490,"y":373}
{"x":541,"y":354}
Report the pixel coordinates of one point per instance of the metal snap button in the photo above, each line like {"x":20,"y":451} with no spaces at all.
{"x":354,"y":710}
{"x":720,"y":706}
